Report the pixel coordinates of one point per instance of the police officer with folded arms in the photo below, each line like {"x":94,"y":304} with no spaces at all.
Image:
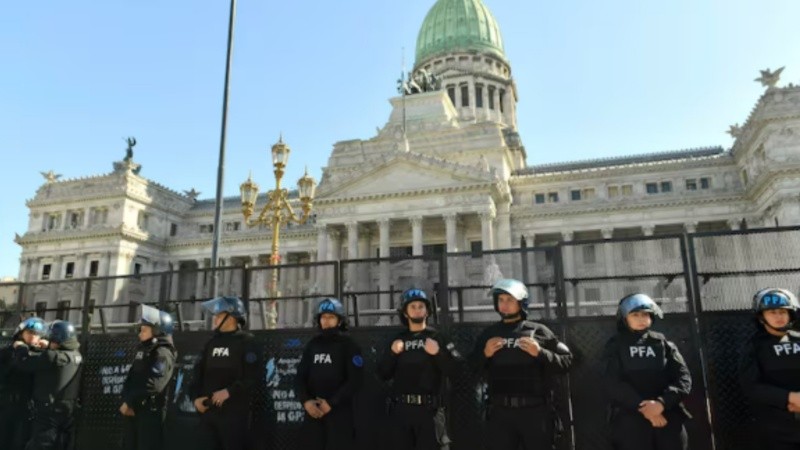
{"x":646,"y":380}
{"x":56,"y":375}
{"x":416,"y":362}
{"x":226,"y":374}
{"x":520,"y":360}
{"x":16,"y":387}
{"x":328,"y":376}
{"x":769,"y":370}
{"x":144,"y":393}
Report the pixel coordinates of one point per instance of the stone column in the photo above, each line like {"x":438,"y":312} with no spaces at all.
{"x":416,"y":245}
{"x":486,"y":110}
{"x":458,"y":99}
{"x":450,"y":224}
{"x":472,"y":97}
{"x":569,"y":270}
{"x":503,"y":232}
{"x":199,"y":291}
{"x":352,"y":253}
{"x":487,"y":231}
{"x":652,"y":257}
{"x":609,"y":293}
{"x":384,"y":229}
{"x":533,"y":271}
{"x":497,"y":114}
{"x":322,"y":242}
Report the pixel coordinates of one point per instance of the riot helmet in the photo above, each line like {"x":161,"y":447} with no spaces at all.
{"x":33,"y":324}
{"x":333,"y":306}
{"x":233,"y":306}
{"x":160,"y":321}
{"x":409,"y":296}
{"x":61,"y":331}
{"x":775,"y":298}
{"x":515,"y":289}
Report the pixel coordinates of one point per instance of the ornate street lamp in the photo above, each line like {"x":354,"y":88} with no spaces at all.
{"x":277,"y":212}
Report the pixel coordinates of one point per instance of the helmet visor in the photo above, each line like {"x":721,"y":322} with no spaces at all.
{"x":639,"y":302}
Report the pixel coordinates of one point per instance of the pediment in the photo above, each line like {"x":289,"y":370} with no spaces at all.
{"x":405,"y":174}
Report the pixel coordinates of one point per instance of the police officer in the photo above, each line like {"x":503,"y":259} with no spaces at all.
{"x":770,"y":370}
{"x":226,"y":374}
{"x":16,"y":387}
{"x":520,"y":359}
{"x":56,"y":381}
{"x":646,"y":380}
{"x":329,"y":374}
{"x":417,"y":361}
{"x":144,"y":393}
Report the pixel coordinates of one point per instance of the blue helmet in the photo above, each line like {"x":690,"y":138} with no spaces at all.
{"x":775,"y":298}
{"x":409,"y":296}
{"x":160,"y":321}
{"x":61,"y":331}
{"x":33,"y":324}
{"x":638,"y":302}
{"x":231,"y":305}
{"x":331,"y":305}
{"x":514,"y":288}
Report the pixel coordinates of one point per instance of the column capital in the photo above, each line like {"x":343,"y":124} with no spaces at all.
{"x":416,"y":221}
{"x":607,"y":233}
{"x":735,"y":224}
{"x":450,"y":216}
{"x":352,"y":226}
{"x":383,"y":221}
{"x":487,"y":215}
{"x":648,"y":229}
{"x":690,"y":227}
{"x":530,"y":239}
{"x":567,"y":236}
{"x":320,"y":227}
{"x":333,"y":234}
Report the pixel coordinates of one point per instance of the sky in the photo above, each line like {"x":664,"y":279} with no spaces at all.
{"x":595,"y":79}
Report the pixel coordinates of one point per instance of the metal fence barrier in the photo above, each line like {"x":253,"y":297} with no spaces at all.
{"x":703,"y":281}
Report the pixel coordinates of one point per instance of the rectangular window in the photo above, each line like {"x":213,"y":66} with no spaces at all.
{"x":539,"y":199}
{"x":691,"y":184}
{"x":613,"y":191}
{"x":591,"y":294}
{"x":232,"y":226}
{"x":173,"y":229}
{"x":652,"y":188}
{"x":433,"y":249}
{"x":502,"y":99}
{"x":588,"y":194}
{"x":75,"y":219}
{"x":476,"y":248}
{"x":668,"y":248}
{"x":69,"y":270}
{"x":478,"y":96}
{"x":705,"y":183}
{"x":137,"y":268}
{"x":94,"y":267}
{"x":627,"y":251}
{"x":53,"y":221}
{"x":143,"y":220}
{"x":627,"y":190}
{"x":451,"y":92}
{"x":62,"y":310}
{"x":41,"y":309}
{"x":666,"y":186}
{"x":575,"y":195}
{"x":400,"y":252}
{"x":552,"y":197}
{"x":465,"y":95}
{"x":46,"y":271}
{"x":589,"y":256}
{"x":491,"y":97}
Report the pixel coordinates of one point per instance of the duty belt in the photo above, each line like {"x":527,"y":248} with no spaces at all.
{"x":517,"y":401}
{"x":415,"y":399}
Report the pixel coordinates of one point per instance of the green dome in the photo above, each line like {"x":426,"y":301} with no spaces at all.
{"x":459,"y":25}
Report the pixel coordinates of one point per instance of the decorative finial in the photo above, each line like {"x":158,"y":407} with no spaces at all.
{"x":129,"y":151}
{"x":769,"y":78}
{"x":50,"y":176}
{"x":280,"y":138}
{"x":735,"y":130}
{"x":192,"y":194}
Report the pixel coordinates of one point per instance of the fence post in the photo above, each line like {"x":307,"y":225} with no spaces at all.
{"x":246,"y":294}
{"x":443,"y":293}
{"x":86,"y":313}
{"x":558,"y":275}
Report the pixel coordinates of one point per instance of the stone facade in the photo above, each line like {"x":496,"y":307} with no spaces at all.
{"x":447,"y":172}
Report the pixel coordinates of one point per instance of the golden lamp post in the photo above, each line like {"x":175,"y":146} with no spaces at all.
{"x":277,"y":212}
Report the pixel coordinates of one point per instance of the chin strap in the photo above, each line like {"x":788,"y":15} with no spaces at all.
{"x":221,"y":322}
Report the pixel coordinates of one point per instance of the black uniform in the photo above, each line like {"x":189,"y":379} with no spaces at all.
{"x":521,"y":411}
{"x":417,"y":381}
{"x":145,"y":391}
{"x":332,"y":369}
{"x":769,"y":371}
{"x":645,"y":366}
{"x":56,"y":386}
{"x":16,"y":408}
{"x":229,"y":361}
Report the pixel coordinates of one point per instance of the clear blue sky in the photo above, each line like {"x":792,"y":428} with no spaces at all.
{"x":596,"y":79}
